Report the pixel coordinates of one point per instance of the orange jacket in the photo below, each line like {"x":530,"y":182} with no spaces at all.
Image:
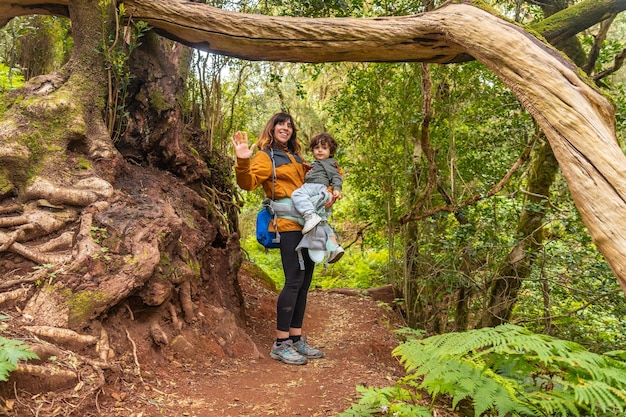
{"x":257,"y":171}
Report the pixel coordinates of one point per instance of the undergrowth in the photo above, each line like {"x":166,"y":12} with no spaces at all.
{"x":11,"y":352}
{"x":354,"y":270}
{"x":502,"y":371}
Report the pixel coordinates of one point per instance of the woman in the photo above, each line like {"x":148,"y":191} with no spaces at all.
{"x":279,"y":136}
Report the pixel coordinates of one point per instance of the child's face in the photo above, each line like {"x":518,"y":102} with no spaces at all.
{"x":321,"y":151}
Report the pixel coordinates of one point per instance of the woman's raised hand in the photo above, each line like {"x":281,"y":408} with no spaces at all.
{"x":240,"y":143}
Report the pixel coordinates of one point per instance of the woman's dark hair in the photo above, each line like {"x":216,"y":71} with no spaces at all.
{"x":324,"y":139}
{"x":267,"y":139}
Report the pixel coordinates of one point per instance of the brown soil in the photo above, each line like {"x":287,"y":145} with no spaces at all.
{"x":355,"y":332}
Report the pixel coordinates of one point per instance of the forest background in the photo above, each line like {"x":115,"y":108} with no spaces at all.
{"x":452,"y":195}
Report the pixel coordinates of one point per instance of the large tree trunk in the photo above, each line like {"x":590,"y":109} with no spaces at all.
{"x":110,"y":236}
{"x":517,"y":266}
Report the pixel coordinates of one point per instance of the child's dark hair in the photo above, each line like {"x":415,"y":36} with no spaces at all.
{"x":324,"y":138}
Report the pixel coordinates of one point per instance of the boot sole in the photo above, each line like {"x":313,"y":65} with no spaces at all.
{"x":287,"y":361}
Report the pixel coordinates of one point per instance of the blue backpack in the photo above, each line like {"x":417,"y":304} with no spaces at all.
{"x":264,"y":217}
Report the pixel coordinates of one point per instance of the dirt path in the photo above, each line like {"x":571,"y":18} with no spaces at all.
{"x":354,"y":332}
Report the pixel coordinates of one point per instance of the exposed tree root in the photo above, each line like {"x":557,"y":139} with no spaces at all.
{"x":27,"y":280}
{"x":185,"y":302}
{"x":85,"y":192}
{"x":176,"y":323}
{"x":13,"y":295}
{"x":33,"y":254}
{"x":158,"y":335}
{"x":62,"y":335}
{"x":46,"y":372}
{"x":63,"y":242}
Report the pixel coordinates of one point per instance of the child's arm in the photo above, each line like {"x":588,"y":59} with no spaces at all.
{"x":336,"y":179}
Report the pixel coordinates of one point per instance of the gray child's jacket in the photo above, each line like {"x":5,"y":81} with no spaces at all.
{"x":325,"y":171}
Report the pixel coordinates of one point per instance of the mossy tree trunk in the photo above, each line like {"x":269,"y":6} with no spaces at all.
{"x":134,"y":225}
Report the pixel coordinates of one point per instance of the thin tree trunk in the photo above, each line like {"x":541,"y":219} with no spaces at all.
{"x":517,"y":265}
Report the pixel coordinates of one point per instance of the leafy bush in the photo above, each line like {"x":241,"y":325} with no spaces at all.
{"x":503,"y":371}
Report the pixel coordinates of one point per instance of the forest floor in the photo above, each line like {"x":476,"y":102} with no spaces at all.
{"x":356,"y":334}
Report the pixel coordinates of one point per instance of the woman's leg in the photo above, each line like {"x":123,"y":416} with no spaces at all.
{"x":291,"y":347}
{"x":300,"y":308}
{"x":292,"y":300}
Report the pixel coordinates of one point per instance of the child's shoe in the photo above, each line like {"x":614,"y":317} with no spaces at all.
{"x":335,"y":255}
{"x":310,"y":221}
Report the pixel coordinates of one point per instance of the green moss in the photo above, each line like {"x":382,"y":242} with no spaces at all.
{"x":5,"y":184}
{"x":82,"y":304}
{"x":83,"y":164}
{"x":4,"y":104}
{"x":194,"y":151}
{"x":164,"y":268}
{"x":256,"y":272}
{"x":194,"y":265}
{"x":158,"y":102}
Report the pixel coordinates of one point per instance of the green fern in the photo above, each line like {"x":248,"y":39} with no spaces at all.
{"x":11,"y":352}
{"x":397,"y":401}
{"x":510,"y":371}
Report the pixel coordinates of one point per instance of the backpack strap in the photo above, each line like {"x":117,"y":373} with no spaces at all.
{"x":274,"y":215}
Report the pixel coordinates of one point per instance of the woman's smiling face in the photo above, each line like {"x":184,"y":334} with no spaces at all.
{"x":283,"y":131}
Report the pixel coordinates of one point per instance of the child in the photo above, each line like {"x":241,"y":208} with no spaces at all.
{"x":323,"y":177}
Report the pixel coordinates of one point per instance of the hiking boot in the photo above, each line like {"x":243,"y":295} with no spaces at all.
{"x":310,"y":221}
{"x":335,"y":255}
{"x":285,"y":352}
{"x":303,"y":348}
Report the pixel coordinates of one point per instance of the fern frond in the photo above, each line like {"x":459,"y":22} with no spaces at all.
{"x":508,"y":370}
{"x":11,"y":352}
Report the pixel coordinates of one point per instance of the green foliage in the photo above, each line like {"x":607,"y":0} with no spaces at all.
{"x":116,"y":47}
{"x":354,"y":270}
{"x":11,"y":352}
{"x":509,"y":371}
{"x":10,"y":78}
{"x":396,"y":401}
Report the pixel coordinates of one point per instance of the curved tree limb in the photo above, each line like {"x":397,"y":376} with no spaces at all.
{"x":289,"y":39}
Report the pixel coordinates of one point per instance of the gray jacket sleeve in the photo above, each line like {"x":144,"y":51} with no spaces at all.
{"x":332,"y":170}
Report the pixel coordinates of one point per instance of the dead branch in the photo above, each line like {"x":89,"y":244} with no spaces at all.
{"x":453,"y":208}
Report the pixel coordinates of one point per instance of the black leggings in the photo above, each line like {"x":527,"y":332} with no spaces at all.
{"x":292,"y":299}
